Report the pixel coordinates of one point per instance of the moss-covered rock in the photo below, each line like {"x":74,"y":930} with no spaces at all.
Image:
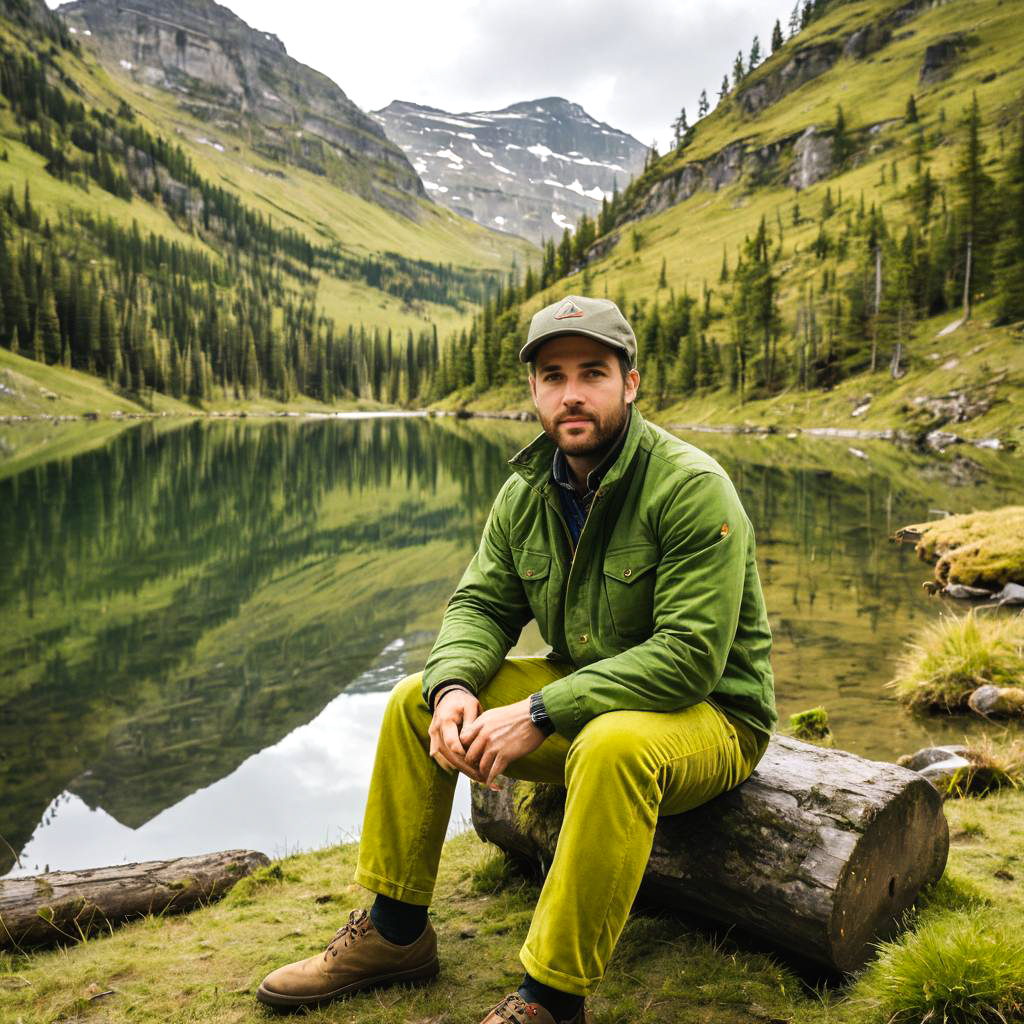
{"x":977,"y":549}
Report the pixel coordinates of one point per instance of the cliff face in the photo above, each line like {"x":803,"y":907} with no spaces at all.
{"x":531,"y":169}
{"x":241,"y":81}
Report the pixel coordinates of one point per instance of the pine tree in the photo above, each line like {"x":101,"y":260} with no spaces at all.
{"x":703,"y":106}
{"x":794,"y":20}
{"x":911,"y":115}
{"x":755,"y":54}
{"x":48,"y":328}
{"x":737,"y":69}
{"x":777,"y":39}
{"x":662,"y":278}
{"x":1010,"y":254}
{"x":723,"y":91}
{"x":976,"y":189}
{"x":679,"y":128}
{"x":841,"y":142}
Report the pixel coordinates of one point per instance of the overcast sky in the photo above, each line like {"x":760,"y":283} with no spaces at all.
{"x":632,"y":66}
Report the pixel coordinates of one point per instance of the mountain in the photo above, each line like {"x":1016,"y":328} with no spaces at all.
{"x":839,"y":243}
{"x":186,"y":211}
{"x":531,"y":169}
{"x":241,"y":83}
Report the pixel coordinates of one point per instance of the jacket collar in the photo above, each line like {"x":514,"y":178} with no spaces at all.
{"x":533,"y":463}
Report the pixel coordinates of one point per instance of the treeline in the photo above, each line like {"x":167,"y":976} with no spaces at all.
{"x":870,"y":274}
{"x":155,"y":315}
{"x":120,"y":156}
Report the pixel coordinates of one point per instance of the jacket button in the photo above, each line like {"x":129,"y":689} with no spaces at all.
{"x":529,"y":572}
{"x":627,"y":572}
{"x":583,"y":638}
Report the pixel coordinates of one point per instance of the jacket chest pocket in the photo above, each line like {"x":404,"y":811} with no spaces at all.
{"x":629,"y":577}
{"x":534,"y":571}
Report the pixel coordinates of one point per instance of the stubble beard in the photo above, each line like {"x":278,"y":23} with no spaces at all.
{"x":604,"y":435}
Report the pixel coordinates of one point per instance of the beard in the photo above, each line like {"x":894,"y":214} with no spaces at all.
{"x":592,"y":442}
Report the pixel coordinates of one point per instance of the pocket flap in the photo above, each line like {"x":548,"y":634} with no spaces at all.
{"x":532,"y":565}
{"x":627,"y":565}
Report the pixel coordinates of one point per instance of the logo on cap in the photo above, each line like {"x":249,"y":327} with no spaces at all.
{"x":567,"y":309}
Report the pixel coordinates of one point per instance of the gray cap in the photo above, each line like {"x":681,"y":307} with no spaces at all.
{"x":599,"y":319}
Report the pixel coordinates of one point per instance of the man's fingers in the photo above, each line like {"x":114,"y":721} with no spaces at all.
{"x":450,"y":738}
{"x":470,"y":729}
{"x":497,"y":767}
{"x":476,"y":749}
{"x":444,"y":762}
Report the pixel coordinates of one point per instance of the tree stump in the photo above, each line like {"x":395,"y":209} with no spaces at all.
{"x":65,"y":906}
{"x":819,"y":852}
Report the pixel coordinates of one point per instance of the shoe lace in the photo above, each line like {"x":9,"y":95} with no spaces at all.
{"x":513,"y":1008}
{"x":357,"y":925}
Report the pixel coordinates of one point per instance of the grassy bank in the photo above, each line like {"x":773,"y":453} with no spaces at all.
{"x":206,"y":965}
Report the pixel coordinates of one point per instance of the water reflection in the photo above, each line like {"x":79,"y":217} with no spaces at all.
{"x":199,"y":623}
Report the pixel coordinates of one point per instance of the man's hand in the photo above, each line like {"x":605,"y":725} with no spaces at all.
{"x":495,"y":739}
{"x":455,"y":710}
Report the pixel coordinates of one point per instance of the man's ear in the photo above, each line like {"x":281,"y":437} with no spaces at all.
{"x":632,"y":385}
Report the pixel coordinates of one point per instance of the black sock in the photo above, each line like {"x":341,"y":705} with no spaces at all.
{"x":561,"y":1005}
{"x":400,"y":923}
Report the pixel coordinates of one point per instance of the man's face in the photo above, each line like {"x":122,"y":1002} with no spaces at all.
{"x":580,"y":394}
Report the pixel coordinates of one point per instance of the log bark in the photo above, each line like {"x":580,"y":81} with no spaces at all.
{"x":65,"y":906}
{"x":819,"y":852}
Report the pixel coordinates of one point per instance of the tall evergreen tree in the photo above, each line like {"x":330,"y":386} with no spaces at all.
{"x":777,"y":39}
{"x":1010,"y":255}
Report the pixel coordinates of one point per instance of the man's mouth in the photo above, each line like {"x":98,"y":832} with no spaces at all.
{"x":577,"y":421}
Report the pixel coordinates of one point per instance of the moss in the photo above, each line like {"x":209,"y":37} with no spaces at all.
{"x":246,"y":888}
{"x":978,"y":549}
{"x":811,"y":725}
{"x":539,"y":807}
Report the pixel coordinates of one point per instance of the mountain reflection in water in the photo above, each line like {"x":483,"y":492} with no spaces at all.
{"x":200,"y":623}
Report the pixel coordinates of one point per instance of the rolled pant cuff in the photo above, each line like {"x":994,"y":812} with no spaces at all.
{"x":555,"y":979}
{"x":386,"y":887}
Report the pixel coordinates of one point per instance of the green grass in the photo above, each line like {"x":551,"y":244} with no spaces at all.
{"x":959,"y":970}
{"x":811,"y":725}
{"x":955,"y":655}
{"x":963,"y":949}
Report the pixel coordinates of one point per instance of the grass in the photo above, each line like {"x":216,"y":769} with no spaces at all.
{"x":978,"y":549}
{"x":961,"y":951}
{"x":959,"y":970}
{"x":957,"y":654}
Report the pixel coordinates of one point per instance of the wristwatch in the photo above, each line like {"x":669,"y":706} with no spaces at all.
{"x":539,"y":715}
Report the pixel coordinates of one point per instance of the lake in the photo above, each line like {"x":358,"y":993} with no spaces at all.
{"x":200,"y":622}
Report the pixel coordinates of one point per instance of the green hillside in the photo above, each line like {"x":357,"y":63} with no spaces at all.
{"x":748,"y":257}
{"x":138,"y":250}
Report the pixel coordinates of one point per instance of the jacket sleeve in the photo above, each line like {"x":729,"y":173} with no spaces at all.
{"x":704,"y":535}
{"x":484,"y":616}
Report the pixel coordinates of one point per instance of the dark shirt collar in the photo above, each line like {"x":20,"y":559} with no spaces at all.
{"x":562,"y":475}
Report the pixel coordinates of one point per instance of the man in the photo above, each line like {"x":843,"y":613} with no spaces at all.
{"x":632,"y":551}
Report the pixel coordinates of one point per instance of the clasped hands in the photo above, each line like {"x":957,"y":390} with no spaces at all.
{"x":480,"y":744}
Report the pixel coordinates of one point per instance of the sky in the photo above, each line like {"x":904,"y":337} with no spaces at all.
{"x":632,"y":66}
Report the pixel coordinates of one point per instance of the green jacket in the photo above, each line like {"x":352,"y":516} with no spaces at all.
{"x":658,"y":608}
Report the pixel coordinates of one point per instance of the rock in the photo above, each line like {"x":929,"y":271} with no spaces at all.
{"x":991,"y":443}
{"x":807,"y":62}
{"x":1012,"y":593}
{"x":939,"y":440}
{"x":931,"y":755}
{"x":940,"y":57}
{"x":866,"y":40}
{"x":965,"y":593}
{"x":997,"y":700}
{"x":944,"y":775}
{"x":812,"y":159}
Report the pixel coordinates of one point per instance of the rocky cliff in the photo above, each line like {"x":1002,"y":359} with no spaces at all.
{"x":532,"y":169}
{"x":241,"y":83}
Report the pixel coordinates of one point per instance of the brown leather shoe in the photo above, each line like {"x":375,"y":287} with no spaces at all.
{"x":357,"y":957}
{"x":514,"y":1010}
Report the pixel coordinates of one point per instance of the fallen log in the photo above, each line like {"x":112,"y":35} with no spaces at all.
{"x":819,"y":852}
{"x":65,"y":906}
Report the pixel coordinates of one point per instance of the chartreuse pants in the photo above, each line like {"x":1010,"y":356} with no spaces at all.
{"x":621,"y":771}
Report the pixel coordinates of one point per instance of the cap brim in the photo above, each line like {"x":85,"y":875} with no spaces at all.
{"x":526,"y":352}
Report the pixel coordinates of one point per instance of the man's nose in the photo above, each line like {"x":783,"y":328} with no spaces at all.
{"x":573,"y":393}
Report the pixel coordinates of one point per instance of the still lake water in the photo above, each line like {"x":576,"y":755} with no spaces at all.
{"x":200,"y":623}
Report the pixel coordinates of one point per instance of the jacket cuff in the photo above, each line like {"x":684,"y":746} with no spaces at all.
{"x":562,"y":707}
{"x":442,"y":688}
